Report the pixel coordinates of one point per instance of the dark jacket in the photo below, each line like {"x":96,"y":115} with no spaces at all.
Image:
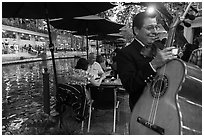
{"x":134,"y":70}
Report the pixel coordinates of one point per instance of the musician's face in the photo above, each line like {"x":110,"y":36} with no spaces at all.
{"x":149,"y":31}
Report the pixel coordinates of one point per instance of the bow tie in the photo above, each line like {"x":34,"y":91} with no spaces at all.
{"x":150,"y":50}
{"x":147,"y":51}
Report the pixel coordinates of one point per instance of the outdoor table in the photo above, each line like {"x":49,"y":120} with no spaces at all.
{"x":115,"y":84}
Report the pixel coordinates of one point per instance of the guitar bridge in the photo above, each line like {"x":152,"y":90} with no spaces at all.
{"x":153,"y":127}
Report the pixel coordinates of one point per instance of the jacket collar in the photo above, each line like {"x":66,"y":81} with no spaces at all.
{"x":137,"y":45}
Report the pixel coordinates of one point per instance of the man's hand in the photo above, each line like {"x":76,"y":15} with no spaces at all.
{"x":162,"y":57}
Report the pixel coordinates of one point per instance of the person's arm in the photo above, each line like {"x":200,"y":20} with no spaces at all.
{"x":97,"y":82}
{"x":130,"y":75}
{"x":162,"y":56}
{"x":103,"y":66}
{"x":98,"y":67}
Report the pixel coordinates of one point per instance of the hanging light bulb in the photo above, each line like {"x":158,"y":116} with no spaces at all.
{"x":150,"y":10}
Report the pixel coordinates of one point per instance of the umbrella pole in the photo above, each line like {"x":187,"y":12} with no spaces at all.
{"x":87,"y":47}
{"x":87,"y":44}
{"x":51,"y":47}
{"x":97,"y":47}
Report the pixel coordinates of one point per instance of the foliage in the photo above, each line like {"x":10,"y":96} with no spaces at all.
{"x":124,"y":12}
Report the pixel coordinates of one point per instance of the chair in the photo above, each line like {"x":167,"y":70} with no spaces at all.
{"x":103,"y":98}
{"x":71,"y":95}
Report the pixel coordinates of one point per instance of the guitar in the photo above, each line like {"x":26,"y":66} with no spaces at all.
{"x":160,"y":110}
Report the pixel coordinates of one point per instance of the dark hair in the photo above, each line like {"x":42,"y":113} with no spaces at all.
{"x":82,"y":63}
{"x":99,"y":58}
{"x":138,"y":20}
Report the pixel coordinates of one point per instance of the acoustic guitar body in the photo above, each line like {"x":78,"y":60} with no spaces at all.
{"x":152,"y":118}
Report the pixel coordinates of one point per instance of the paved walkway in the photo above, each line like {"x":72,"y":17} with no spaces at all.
{"x":102,"y":120}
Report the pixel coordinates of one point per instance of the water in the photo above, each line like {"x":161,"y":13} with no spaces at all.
{"x":22,"y":89}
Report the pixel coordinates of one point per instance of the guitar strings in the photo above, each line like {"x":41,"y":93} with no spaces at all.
{"x":151,"y":111}
{"x":157,"y":104}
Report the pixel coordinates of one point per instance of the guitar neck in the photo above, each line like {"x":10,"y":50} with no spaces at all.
{"x":170,"y":38}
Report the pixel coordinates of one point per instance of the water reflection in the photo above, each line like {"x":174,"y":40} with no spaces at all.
{"x":22,"y":91}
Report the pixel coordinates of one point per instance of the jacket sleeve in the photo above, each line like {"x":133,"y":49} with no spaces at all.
{"x":131,"y":76}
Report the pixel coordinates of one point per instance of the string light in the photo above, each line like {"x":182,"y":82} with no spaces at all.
{"x":150,"y":10}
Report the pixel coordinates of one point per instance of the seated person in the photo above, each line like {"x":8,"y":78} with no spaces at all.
{"x":94,"y":68}
{"x":83,"y":64}
{"x":187,"y":50}
{"x":196,"y":57}
{"x":100,"y":59}
{"x":96,"y":81}
{"x":77,"y":99}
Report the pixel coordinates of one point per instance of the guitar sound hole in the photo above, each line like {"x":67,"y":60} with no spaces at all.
{"x":159,"y":86}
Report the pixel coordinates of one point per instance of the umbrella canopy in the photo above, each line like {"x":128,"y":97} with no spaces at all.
{"x":37,"y":10}
{"x":87,"y":25}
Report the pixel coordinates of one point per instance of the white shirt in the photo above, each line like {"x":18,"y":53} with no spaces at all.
{"x":95,"y":69}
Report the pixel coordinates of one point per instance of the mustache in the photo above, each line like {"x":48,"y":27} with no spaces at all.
{"x":153,"y":35}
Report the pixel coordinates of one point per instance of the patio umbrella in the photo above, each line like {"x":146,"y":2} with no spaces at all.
{"x":47,"y":10}
{"x":37,"y":10}
{"x":87,"y":25}
{"x":96,"y":25}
